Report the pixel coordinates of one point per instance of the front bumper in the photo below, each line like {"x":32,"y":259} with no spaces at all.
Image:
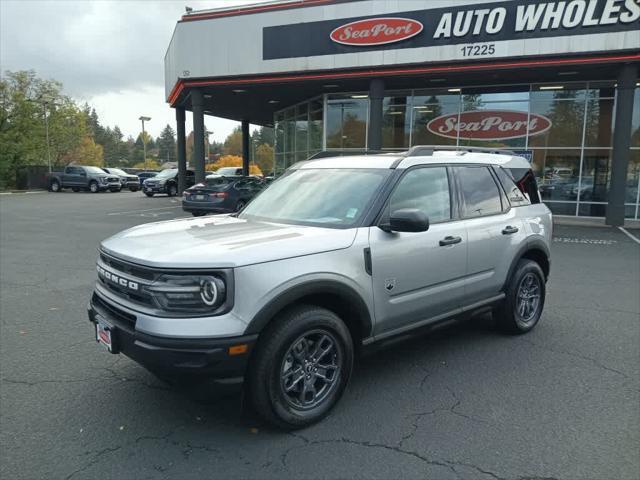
{"x":155,"y":188}
{"x":196,"y":357}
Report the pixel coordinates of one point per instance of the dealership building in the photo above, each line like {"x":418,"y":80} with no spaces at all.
{"x":555,"y":81}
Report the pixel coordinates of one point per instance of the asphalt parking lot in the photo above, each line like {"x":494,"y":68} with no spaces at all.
{"x":562,"y":402}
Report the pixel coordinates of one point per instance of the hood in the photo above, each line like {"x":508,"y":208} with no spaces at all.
{"x":221,"y":241}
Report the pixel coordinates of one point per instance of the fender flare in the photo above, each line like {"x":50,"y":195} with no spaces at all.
{"x":313,"y":287}
{"x":533,"y":244}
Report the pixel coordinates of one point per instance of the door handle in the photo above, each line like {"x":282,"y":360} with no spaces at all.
{"x":508,"y":230}
{"x":450,"y":241}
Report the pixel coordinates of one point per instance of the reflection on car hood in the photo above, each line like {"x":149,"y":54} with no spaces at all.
{"x":221,"y":241}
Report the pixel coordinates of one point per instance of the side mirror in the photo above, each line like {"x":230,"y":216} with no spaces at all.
{"x":407,"y":220}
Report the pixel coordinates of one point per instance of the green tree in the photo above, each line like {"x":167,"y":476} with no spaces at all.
{"x":25,"y":99}
{"x":233,"y":143}
{"x":265,"y":158}
{"x":167,"y":145}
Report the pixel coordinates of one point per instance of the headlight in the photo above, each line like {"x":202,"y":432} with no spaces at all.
{"x":189,"y":293}
{"x":162,"y":182}
{"x":103,"y":179}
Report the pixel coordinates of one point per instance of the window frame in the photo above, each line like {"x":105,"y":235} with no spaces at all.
{"x":460,"y":195}
{"x":384,"y":213}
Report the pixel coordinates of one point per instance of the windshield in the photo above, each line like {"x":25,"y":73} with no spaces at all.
{"x":94,"y":170}
{"x":336,"y":197}
{"x":117,"y":171}
{"x":227,"y":171}
{"x":167,"y":173}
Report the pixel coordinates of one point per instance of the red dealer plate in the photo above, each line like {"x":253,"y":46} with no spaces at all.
{"x":103,"y":335}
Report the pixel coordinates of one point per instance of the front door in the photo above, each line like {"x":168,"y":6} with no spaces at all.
{"x":418,"y":276}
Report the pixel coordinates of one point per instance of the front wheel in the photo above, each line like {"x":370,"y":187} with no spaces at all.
{"x":172,"y":190}
{"x":301,"y":366}
{"x":525,"y":295}
{"x":93,"y":187}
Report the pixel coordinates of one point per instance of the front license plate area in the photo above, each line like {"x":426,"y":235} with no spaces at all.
{"x":105,"y":336}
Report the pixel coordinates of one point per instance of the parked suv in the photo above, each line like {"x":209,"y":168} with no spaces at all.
{"x":166,"y":182}
{"x":132,"y":182}
{"x":220,"y":194}
{"x":334,"y":256}
{"x":78,"y":178}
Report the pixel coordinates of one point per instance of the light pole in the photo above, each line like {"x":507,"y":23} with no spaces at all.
{"x":206,"y":135}
{"x":46,"y":129}
{"x":144,"y":139}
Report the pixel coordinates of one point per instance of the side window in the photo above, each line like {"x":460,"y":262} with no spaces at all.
{"x":480,"y":194}
{"x":72,"y":171}
{"x":515,"y":196}
{"x":526,"y":182}
{"x":426,"y":189}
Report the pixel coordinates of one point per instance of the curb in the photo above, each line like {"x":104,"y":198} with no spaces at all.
{"x":23,"y":192}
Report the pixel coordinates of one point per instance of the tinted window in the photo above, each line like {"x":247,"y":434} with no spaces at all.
{"x":215,"y":181}
{"x":515,"y":196}
{"x":480,"y":193}
{"x":526,"y":182}
{"x":426,"y":189}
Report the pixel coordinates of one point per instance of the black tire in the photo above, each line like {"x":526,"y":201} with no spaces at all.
{"x":293,"y":328}
{"x":133,"y":189}
{"x":149,"y":194}
{"x":54,"y":186}
{"x":524,"y":302}
{"x":172,"y":190}
{"x":198,"y":214}
{"x":94,"y":187}
{"x":240,"y":205}
{"x":115,"y":190}
{"x":75,"y":189}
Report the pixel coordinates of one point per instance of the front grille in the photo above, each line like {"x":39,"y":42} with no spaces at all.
{"x":118,"y":314}
{"x":129,"y":274}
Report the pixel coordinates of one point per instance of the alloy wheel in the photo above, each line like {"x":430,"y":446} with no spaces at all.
{"x":528,"y":298}
{"x":310,"y":369}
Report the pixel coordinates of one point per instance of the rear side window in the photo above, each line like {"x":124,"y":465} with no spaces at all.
{"x":216,"y":181}
{"x":526,"y":182}
{"x":480,"y":194}
{"x":515,"y":196}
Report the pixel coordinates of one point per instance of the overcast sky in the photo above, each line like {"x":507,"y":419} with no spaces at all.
{"x":107,"y":53}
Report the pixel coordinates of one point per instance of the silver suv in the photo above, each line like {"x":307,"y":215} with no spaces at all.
{"x":337,"y":254}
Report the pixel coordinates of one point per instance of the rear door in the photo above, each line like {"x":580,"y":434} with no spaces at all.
{"x":494,"y":231}
{"x":71,"y":177}
{"x":418,"y":276}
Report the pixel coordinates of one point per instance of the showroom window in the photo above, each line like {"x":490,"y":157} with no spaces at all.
{"x":565,"y":129}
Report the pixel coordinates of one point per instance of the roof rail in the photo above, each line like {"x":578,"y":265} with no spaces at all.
{"x":427,"y":150}
{"x":346,"y":153}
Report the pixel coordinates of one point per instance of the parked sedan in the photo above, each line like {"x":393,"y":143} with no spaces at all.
{"x":132,"y":182}
{"x":220,"y":194}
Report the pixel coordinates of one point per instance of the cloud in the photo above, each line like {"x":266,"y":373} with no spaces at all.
{"x":99,"y":50}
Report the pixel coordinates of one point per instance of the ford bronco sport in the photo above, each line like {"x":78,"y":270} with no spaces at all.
{"x":335,"y":255}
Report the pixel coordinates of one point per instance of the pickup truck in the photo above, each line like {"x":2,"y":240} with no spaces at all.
{"x":90,"y":178}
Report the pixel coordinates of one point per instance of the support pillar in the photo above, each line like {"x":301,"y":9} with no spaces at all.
{"x":181,"y":145}
{"x":197,"y":104}
{"x":376,"y":96}
{"x":621,"y":143}
{"x":246,"y":138}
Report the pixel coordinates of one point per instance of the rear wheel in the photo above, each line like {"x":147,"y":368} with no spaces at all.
{"x":301,"y":367}
{"x":172,"y":190}
{"x":149,"y":194}
{"x":54,"y":186}
{"x":525,"y":295}
{"x":93,"y":187}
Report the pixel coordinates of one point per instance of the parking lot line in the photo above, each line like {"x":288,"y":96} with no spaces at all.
{"x":141,"y":211}
{"x":632,"y":237}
